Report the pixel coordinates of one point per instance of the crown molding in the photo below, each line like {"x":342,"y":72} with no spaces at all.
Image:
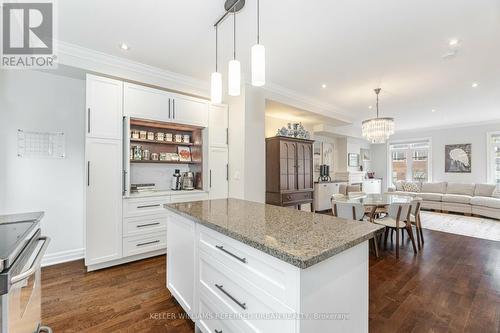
{"x":89,"y":59}
{"x":78,"y":56}
{"x":307,"y":102}
{"x":450,"y":126}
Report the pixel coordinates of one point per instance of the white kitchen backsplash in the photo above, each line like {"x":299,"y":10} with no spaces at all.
{"x":160,"y":174}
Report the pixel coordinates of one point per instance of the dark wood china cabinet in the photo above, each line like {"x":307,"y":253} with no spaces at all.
{"x":289,"y":171}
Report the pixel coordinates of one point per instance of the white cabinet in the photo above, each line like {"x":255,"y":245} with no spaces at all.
{"x":181,"y":243}
{"x":218,"y":172}
{"x":156,"y":104}
{"x":189,"y":111}
{"x":104,"y":107}
{"x":372,"y":186}
{"x":323,"y":193}
{"x":103,"y":241}
{"x":217,"y":126}
{"x":145,"y":102}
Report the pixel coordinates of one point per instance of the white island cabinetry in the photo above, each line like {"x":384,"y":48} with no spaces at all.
{"x":230,"y":286}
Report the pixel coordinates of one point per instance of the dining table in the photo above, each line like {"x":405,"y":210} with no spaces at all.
{"x":379,"y":200}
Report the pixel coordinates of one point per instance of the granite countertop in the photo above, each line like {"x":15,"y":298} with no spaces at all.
{"x":22,"y":217}
{"x":299,"y":238}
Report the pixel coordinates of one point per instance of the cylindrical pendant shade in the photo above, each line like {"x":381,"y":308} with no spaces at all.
{"x":234,"y":78}
{"x":258,"y":65}
{"x":216,"y":88}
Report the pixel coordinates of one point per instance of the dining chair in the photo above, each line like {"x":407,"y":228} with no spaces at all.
{"x":398,"y":217}
{"x":416,"y":221}
{"x":355,"y":211}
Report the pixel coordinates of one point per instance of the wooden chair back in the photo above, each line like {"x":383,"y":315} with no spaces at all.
{"x":399,"y":212}
{"x":354,"y":211}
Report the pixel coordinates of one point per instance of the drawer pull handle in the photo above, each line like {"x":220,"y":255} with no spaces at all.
{"x":148,"y":206}
{"x":147,"y":243}
{"x":147,"y":225}
{"x":221,"y":288}
{"x":220,"y":247}
{"x":217,"y":331}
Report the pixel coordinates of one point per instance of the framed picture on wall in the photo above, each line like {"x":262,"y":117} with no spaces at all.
{"x":457,"y":158}
{"x":353,"y":160}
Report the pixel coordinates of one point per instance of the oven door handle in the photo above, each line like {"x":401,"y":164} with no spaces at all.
{"x":34,"y":266}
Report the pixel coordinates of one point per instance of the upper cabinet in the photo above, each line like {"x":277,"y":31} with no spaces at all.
{"x":104,"y":108}
{"x":218,"y":125}
{"x":189,"y":111}
{"x":155,"y":104}
{"x":145,"y":102}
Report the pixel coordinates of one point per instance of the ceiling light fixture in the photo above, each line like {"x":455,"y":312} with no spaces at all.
{"x":377,"y":130}
{"x":258,"y":53}
{"x":433,"y":110}
{"x":258,"y":57}
{"x":370,"y":107}
{"x":124,"y":47}
{"x":323,"y":86}
{"x":453,"y":42}
{"x":234,"y":72}
{"x":216,"y":79}
{"x":475,"y":84}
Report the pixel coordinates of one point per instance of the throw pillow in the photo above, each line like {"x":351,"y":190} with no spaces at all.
{"x":400,"y":185}
{"x":411,"y":187}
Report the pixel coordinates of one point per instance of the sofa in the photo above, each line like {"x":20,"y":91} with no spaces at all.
{"x":469,"y":199}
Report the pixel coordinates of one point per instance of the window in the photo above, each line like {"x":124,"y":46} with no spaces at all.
{"x":410,"y":161}
{"x":494,"y":158}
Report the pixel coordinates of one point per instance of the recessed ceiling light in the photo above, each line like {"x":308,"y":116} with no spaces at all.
{"x":124,"y":47}
{"x":433,"y":110}
{"x":475,"y":84}
{"x":370,"y":107}
{"x":323,"y":86}
{"x":453,"y":42}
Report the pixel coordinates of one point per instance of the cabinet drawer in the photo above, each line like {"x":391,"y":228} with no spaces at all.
{"x":214,"y":319}
{"x":189,"y":197}
{"x":275,"y":277}
{"x":144,"y":243}
{"x":144,"y":206}
{"x":296,"y":197}
{"x":134,"y":226}
{"x":241,"y":297}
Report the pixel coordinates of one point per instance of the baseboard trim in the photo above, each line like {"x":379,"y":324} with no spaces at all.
{"x":125,"y":260}
{"x":62,"y":256}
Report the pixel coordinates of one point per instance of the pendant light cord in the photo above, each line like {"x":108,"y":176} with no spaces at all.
{"x":216,"y":47}
{"x":234,"y":33}
{"x":258,"y":21}
{"x":377,"y":91}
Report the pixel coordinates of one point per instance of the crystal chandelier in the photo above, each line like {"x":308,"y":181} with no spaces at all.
{"x":377,"y":130}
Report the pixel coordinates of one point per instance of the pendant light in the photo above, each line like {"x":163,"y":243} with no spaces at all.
{"x":234,"y":72}
{"x":378,"y":130}
{"x":258,"y":57}
{"x":216,"y":79}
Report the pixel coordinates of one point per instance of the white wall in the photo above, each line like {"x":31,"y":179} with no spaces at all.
{"x":476,"y":135}
{"x":36,"y":101}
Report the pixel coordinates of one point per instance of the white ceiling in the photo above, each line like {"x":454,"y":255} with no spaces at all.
{"x":352,"y":46}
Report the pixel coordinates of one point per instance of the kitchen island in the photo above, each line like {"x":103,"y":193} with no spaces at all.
{"x":241,"y":266}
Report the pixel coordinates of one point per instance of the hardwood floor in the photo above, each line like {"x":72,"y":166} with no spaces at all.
{"x":127,"y":298}
{"x":453,"y":285}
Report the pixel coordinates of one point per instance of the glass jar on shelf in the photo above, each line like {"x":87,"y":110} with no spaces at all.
{"x":138,"y":153}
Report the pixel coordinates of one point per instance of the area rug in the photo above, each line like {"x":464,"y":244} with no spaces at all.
{"x":477,"y":227}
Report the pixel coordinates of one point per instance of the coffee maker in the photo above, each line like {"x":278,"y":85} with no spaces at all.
{"x":188,"y":180}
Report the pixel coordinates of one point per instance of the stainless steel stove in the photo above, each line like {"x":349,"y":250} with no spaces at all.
{"x":21,"y":250}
